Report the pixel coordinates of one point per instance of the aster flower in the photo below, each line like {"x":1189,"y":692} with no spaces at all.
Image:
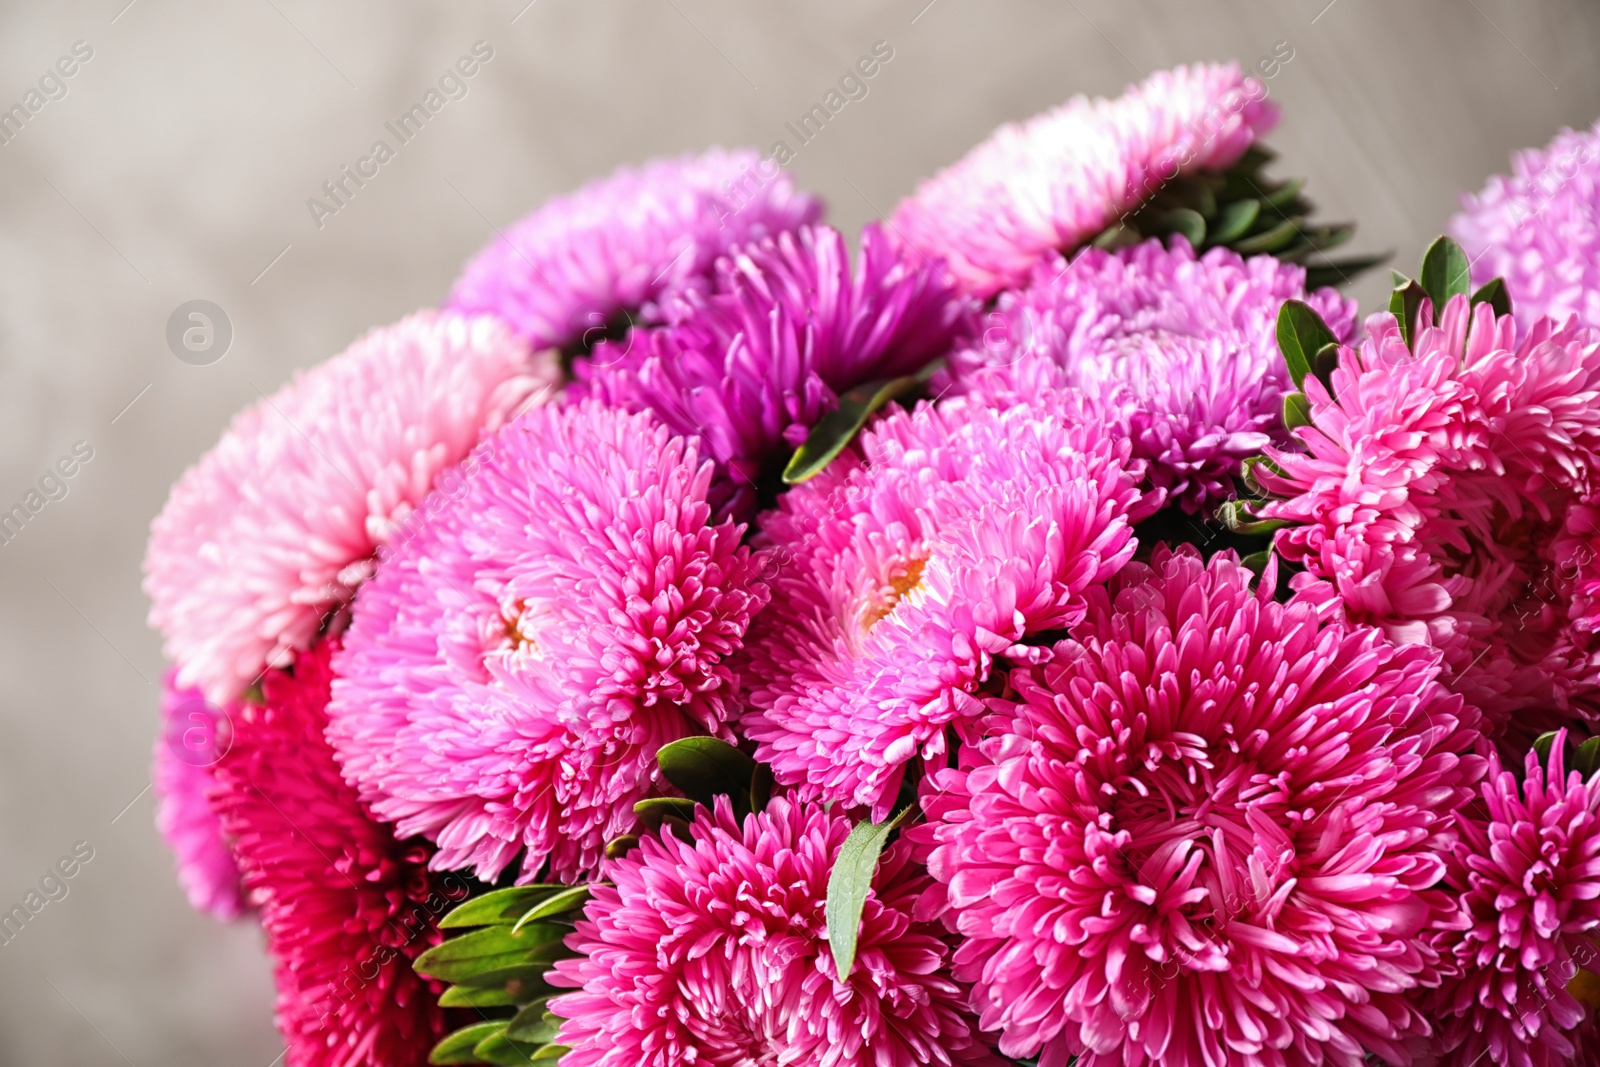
{"x":345,"y":906}
{"x":753,"y":364}
{"x":194,"y":736}
{"x":1447,"y":497}
{"x":270,"y":533}
{"x":513,"y":667}
{"x":715,"y":951}
{"x":1207,"y":830}
{"x":961,"y":534}
{"x":565,"y":275}
{"x":1179,"y":351}
{"x":1539,"y":229}
{"x":1528,"y":871}
{"x":1051,"y":184}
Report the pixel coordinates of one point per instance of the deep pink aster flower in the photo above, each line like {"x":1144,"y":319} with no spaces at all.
{"x":1180,"y":352}
{"x":567,"y":609}
{"x":1539,"y":229}
{"x":1528,"y":871}
{"x":194,"y":736}
{"x":751,"y":366}
{"x":963,"y":534}
{"x":1049,"y":184}
{"x":1207,"y":831}
{"x":345,"y":906}
{"x":274,"y":528}
{"x":1448,"y":495}
{"x":716,"y":952}
{"x":564,"y":275}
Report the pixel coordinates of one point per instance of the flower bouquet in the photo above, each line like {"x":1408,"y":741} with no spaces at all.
{"x":1059,"y":632}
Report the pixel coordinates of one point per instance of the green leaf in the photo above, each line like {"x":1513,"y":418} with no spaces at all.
{"x":653,"y":811}
{"x":1301,"y":334}
{"x":1398,"y":280}
{"x":704,"y":768}
{"x":1405,"y":304}
{"x":465,"y":996}
{"x":1250,"y":478}
{"x":835,"y":430}
{"x":1236,"y":220}
{"x":1542,"y":745}
{"x":1271,"y":240}
{"x":849,"y":883}
{"x":1188,"y":222}
{"x":1235,"y":515}
{"x":558,"y":904}
{"x":457,"y":1047}
{"x":502,"y":1050}
{"x":1285,"y":192}
{"x":502,"y":906}
{"x":1257,"y":561}
{"x":1296,"y":410}
{"x":1494,"y":293}
{"x":618,"y":847}
{"x":1324,"y":363}
{"x":550,"y":1052}
{"x":486,"y":951}
{"x":1587,"y":759}
{"x":534,"y":1024}
{"x":1445,"y":273}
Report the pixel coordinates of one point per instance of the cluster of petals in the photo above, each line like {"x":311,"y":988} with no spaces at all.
{"x":751,"y":364}
{"x":194,"y":736}
{"x":566,"y":608}
{"x":1539,"y":229}
{"x":1527,"y":871}
{"x":1050,"y":184}
{"x":1207,"y":831}
{"x":268,"y":536}
{"x":1179,"y":351}
{"x":1446,"y":492}
{"x":345,"y":906}
{"x":716,"y":950}
{"x":959,"y":534}
{"x":592,"y":261}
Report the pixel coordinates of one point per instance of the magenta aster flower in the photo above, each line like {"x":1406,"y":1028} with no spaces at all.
{"x":716,"y":951}
{"x":1528,"y":871}
{"x":513,"y":667}
{"x":345,"y":906}
{"x":274,"y":528}
{"x":753,"y":364}
{"x":567,"y":273}
{"x":1206,"y":831}
{"x":1447,"y":496}
{"x":1539,"y":229}
{"x":194,"y":736}
{"x":963,"y":534}
{"x":1180,"y":352}
{"x":1048,"y":185}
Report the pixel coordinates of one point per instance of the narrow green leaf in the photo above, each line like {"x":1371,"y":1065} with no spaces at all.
{"x":1190,"y":223}
{"x":1270,"y":240}
{"x":1257,"y":561}
{"x":1301,"y":334}
{"x":848,"y":885}
{"x":1236,"y":220}
{"x":835,"y":430}
{"x":457,"y":1047}
{"x":505,"y":1052}
{"x":1286,"y":192}
{"x":1587,"y":759}
{"x":1405,"y":304}
{"x":704,"y":768}
{"x":491,"y":949}
{"x":550,"y":1052}
{"x":1445,"y":273}
{"x":1494,"y":293}
{"x":524,"y":980}
{"x":465,"y":996}
{"x":534,"y":1024}
{"x":559,"y":904}
{"x":502,"y":906}
{"x":1235,"y":515}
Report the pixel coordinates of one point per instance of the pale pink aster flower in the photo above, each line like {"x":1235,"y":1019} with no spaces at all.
{"x":1047,"y":185}
{"x":194,"y":736}
{"x":1207,"y":831}
{"x":1179,"y":351}
{"x":1448,"y":496}
{"x":716,"y":951}
{"x":1539,"y":229}
{"x":566,"y":609}
{"x":960,"y":535}
{"x":270,"y":533}
{"x":591,"y":263}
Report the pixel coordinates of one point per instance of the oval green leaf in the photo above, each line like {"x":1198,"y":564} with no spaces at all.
{"x":849,"y":883}
{"x":1301,"y":334}
{"x":704,"y":768}
{"x":1446,"y":273}
{"x":835,"y":430}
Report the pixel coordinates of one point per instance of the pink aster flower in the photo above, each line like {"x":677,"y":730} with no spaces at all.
{"x":1206,"y":831}
{"x":1528,"y":871}
{"x":1448,"y":496}
{"x":716,"y":951}
{"x":1179,"y":351}
{"x":1539,"y":229}
{"x":962,"y":535}
{"x":345,"y":906}
{"x":194,"y":736}
{"x":1048,"y":185}
{"x":565,"y":275}
{"x":270,"y":533}
{"x":566,"y":609}
{"x":753,"y":364}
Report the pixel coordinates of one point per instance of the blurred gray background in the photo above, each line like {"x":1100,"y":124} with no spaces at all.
{"x":178,"y":165}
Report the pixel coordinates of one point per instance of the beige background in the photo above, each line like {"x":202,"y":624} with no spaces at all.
{"x":178,"y":167}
